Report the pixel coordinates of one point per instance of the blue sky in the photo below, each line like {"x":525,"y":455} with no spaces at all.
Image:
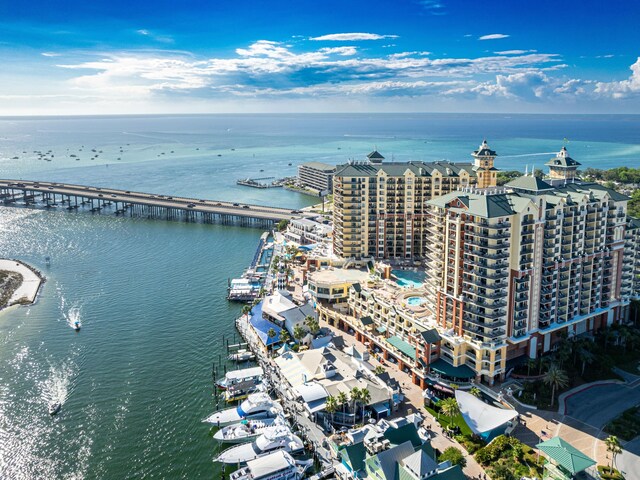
{"x":142,"y":56}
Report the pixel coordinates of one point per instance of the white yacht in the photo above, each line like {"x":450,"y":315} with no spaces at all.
{"x":279,"y":438}
{"x":239,"y":376}
{"x":256,"y":405}
{"x":247,"y":430}
{"x":275,"y":466}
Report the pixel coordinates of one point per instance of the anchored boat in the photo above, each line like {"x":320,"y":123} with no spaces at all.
{"x":238,"y":376}
{"x":242,"y":355}
{"x":247,"y":430}
{"x":275,"y":466}
{"x":278,"y":438}
{"x":257,"y":405}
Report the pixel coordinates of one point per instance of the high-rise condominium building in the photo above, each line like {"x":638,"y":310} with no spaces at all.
{"x":380,"y":208}
{"x":509,"y":270}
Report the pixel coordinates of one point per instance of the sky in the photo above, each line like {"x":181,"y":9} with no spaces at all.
{"x":62,"y":57}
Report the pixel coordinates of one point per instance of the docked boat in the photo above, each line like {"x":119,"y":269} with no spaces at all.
{"x":247,"y":430}
{"x":242,"y":355}
{"x":278,"y":438}
{"x":238,"y":376}
{"x":242,"y":390}
{"x":54,"y":408}
{"x":275,"y":466}
{"x":257,"y":405}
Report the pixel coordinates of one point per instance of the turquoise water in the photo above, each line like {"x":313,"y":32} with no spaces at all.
{"x":409,"y":278}
{"x":415,"y":301}
{"x":136,"y":381}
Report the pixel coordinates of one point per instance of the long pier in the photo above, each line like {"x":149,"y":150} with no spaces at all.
{"x":139,"y":204}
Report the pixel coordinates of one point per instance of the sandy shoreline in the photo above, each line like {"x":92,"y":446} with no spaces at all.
{"x":27,"y":292}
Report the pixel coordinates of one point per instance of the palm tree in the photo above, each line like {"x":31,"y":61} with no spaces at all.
{"x":312,"y":324}
{"x":450,"y":407}
{"x":331,"y":406}
{"x":365,"y":398}
{"x":613,"y":446}
{"x":246,"y":310}
{"x":298,"y":333}
{"x":354,"y":395}
{"x":586,"y":357}
{"x":556,"y":378}
{"x":284,"y":336}
{"x":271,"y":334}
{"x":531,"y":363}
{"x":475,"y":391}
{"x":541,"y":363}
{"x":342,"y":400}
{"x":379,"y":370}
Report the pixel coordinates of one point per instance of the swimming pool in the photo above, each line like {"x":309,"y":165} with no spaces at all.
{"x":409,"y":278}
{"x":415,"y":301}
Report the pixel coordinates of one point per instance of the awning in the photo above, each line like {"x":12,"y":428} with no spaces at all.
{"x":380,"y":408}
{"x":482,"y":417}
{"x":403,"y":346}
{"x":316,"y":406}
{"x":381,"y":329}
{"x":445,"y":368}
{"x":565,"y":455}
{"x":366,"y":321}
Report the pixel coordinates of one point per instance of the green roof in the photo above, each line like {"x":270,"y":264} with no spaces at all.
{"x":398,"y":169}
{"x":529,"y":184}
{"x":430,"y":336}
{"x":565,"y":455}
{"x":366,"y":321}
{"x":563,"y":160}
{"x":445,"y":368}
{"x":405,"y":433}
{"x":381,"y":329}
{"x":354,"y":455}
{"x":403,"y":346}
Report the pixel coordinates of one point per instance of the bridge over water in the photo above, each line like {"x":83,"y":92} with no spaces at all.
{"x":146,"y":205}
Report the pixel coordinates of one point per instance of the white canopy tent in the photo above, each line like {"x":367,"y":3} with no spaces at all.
{"x":482,"y":417}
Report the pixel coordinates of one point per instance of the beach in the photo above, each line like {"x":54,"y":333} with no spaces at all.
{"x":27,"y":292}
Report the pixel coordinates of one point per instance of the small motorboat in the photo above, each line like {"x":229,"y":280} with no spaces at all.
{"x":54,"y":408}
{"x":242,"y":355}
{"x":242,"y":390}
{"x":77,"y":325}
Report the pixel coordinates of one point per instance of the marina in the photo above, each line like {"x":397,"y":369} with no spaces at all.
{"x":263,"y":182}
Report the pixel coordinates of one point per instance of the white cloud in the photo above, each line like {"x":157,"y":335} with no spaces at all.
{"x":514,"y":52}
{"x":345,"y":37}
{"x":493,"y":36}
{"x":623,"y":88}
{"x":158,"y":38}
{"x":434,"y":7}
{"x":50,"y":54}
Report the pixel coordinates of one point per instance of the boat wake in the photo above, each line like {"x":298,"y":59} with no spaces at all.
{"x":73,"y":317}
{"x":56,"y":387}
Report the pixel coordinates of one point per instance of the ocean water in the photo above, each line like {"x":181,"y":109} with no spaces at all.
{"x":136,"y":380}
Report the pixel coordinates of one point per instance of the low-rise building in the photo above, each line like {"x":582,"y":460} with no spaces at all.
{"x":317,"y":176}
{"x":332,"y":285}
{"x":307,"y":231}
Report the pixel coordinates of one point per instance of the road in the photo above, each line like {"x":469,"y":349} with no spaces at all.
{"x":149,"y":199}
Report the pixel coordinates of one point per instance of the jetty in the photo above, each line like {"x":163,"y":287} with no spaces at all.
{"x":263,"y":183}
{"x":146,"y":205}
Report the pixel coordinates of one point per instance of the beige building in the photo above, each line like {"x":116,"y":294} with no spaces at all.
{"x":380,"y":209}
{"x":509,"y":271}
{"x":316,"y":176}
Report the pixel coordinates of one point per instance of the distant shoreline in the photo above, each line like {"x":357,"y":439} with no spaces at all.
{"x":32,"y":280}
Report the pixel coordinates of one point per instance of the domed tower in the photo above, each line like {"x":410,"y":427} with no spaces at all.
{"x":562,"y":166}
{"x":483,"y":159}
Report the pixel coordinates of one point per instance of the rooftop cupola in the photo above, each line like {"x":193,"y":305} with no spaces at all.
{"x":375,"y":158}
{"x":483,"y":159}
{"x":562,"y":165}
